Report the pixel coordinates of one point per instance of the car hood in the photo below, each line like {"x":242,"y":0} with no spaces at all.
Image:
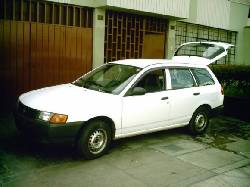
{"x":201,"y":52}
{"x":62,"y":98}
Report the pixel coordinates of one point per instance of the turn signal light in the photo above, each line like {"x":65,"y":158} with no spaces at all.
{"x":58,"y":119}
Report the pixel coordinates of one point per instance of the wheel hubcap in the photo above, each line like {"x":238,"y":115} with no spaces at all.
{"x":97,"y":141}
{"x":200,"y":121}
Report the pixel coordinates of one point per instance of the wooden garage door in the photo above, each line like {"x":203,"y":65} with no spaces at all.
{"x":42,"y":44}
{"x":35,"y":55}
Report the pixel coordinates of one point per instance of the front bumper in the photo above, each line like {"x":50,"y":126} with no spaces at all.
{"x":44,"y":132}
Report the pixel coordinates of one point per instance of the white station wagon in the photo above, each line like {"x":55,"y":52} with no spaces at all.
{"x":126,"y":98}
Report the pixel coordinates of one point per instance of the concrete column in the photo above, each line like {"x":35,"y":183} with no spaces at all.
{"x":98,"y":36}
{"x":238,"y":20}
{"x":170,"y":40}
{"x":246,"y":46}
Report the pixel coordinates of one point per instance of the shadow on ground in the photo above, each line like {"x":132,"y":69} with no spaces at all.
{"x":237,"y":107}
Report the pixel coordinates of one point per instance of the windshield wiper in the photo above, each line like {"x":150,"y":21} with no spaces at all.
{"x":95,"y":86}
{"x":89,"y":83}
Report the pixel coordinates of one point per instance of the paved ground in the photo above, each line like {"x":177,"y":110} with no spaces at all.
{"x":168,"y":158}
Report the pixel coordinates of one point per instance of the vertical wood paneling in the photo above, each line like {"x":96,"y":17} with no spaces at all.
{"x":13,"y":60}
{"x":73,"y":62}
{"x":36,"y":55}
{"x":45,"y":54}
{"x":84,"y":50}
{"x":51,"y":67}
{"x":34,"y":68}
{"x":178,"y":8}
{"x":57,"y":54}
{"x":89,"y":46}
{"x":62,"y":55}
{"x":67,"y":61}
{"x":39,"y":58}
{"x":79,"y":63}
{"x":26,"y":57}
{"x":19,"y":57}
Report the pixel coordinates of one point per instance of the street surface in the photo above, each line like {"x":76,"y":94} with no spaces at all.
{"x":167,"y":158}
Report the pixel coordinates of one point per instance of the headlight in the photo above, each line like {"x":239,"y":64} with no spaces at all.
{"x":53,"y":118}
{"x":45,"y":116}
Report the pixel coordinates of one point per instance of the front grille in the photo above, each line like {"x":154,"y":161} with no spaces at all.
{"x":27,"y":111}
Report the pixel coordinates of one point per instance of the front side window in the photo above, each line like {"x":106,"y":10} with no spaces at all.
{"x":181,"y":78}
{"x":203,"y":77}
{"x":109,"y":78}
{"x":153,"y":81}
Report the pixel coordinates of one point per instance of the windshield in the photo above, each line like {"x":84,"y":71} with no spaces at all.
{"x":109,"y":78}
{"x":204,"y":50}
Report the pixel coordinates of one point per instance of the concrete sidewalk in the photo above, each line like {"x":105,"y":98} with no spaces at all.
{"x":168,"y":158}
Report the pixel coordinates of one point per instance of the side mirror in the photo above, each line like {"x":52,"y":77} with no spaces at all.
{"x":138,"y":91}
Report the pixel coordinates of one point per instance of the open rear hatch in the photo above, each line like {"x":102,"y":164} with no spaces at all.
{"x":201,"y":52}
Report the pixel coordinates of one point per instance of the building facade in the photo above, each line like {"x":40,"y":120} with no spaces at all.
{"x":180,"y":20}
{"x":50,"y":42}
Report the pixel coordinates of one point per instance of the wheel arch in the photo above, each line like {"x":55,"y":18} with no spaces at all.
{"x":206,"y":106}
{"x":192,"y":126}
{"x":108,"y":120}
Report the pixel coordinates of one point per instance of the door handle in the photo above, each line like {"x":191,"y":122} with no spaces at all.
{"x":197,"y":93}
{"x":164,"y":98}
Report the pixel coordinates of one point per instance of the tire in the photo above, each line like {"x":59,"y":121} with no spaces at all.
{"x":199,"y":121}
{"x":94,"y":139}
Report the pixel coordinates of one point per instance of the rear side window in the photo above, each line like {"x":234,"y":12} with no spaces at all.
{"x":181,"y":78}
{"x":203,"y":77}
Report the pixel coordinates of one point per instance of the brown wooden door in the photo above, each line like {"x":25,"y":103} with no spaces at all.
{"x":153,"y":46}
{"x":35,"y":55}
{"x":130,"y":35}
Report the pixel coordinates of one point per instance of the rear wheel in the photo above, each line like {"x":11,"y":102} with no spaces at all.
{"x":94,"y":139}
{"x":199,"y":121}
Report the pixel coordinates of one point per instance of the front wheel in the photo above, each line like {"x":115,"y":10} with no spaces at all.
{"x":94,"y":140}
{"x":199,"y":121}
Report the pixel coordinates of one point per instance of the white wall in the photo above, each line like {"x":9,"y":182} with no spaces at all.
{"x":175,"y":8}
{"x":246,"y":46}
{"x":212,"y":13}
{"x":98,"y":37}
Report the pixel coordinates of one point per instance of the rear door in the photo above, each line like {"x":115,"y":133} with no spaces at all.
{"x":183,"y":95}
{"x":210,"y":91}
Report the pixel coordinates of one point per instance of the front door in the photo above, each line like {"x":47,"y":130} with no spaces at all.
{"x":149,"y":111}
{"x":153,"y":46}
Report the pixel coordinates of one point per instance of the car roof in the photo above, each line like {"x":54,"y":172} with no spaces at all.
{"x":143,"y":63}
